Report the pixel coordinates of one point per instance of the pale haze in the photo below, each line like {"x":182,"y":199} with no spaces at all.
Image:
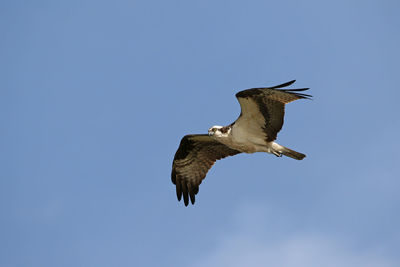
{"x":95,"y":97}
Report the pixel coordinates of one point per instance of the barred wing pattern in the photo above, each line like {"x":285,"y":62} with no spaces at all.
{"x":196,"y":154}
{"x":266,"y":107}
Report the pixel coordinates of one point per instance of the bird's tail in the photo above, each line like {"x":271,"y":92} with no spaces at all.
{"x":279,"y":150}
{"x":292,"y":154}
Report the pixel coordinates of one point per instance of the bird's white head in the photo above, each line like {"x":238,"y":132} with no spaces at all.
{"x":219,"y":131}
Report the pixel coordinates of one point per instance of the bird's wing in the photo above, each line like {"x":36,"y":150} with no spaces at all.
{"x":264,"y":108}
{"x":195,"y":156}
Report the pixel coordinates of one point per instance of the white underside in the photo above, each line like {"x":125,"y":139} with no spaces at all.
{"x":248,"y":139}
{"x":247,"y":134}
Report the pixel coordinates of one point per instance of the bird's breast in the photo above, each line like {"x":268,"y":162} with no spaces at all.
{"x":248,"y":140}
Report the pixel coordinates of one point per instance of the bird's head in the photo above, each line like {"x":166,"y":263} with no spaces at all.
{"x":219,"y":131}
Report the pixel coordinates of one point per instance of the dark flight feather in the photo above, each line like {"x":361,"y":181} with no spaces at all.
{"x":264,"y":107}
{"x":195,"y":156}
{"x":270,"y":102}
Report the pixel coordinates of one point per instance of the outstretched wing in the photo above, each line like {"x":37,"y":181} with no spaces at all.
{"x":195,"y":156}
{"x":264,"y":108}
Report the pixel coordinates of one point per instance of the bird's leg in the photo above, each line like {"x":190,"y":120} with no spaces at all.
{"x":275,"y":149}
{"x":276,"y":153}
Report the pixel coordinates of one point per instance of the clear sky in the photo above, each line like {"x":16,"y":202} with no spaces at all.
{"x":96,"y":95}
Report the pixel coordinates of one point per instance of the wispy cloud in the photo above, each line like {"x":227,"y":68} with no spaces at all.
{"x":249,"y":245}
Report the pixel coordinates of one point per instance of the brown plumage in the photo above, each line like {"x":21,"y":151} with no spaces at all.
{"x":195,"y":156}
{"x":270,"y":102}
{"x":260,"y":120}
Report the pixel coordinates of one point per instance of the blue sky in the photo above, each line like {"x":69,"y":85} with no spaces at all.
{"x":96,"y":95}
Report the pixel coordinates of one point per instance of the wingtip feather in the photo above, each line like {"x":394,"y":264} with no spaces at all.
{"x":185,"y":193}
{"x":283,"y":84}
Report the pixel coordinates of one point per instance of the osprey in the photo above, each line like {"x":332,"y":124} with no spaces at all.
{"x":260,"y":120}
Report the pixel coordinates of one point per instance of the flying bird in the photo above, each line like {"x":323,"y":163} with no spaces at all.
{"x":260,"y":120}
